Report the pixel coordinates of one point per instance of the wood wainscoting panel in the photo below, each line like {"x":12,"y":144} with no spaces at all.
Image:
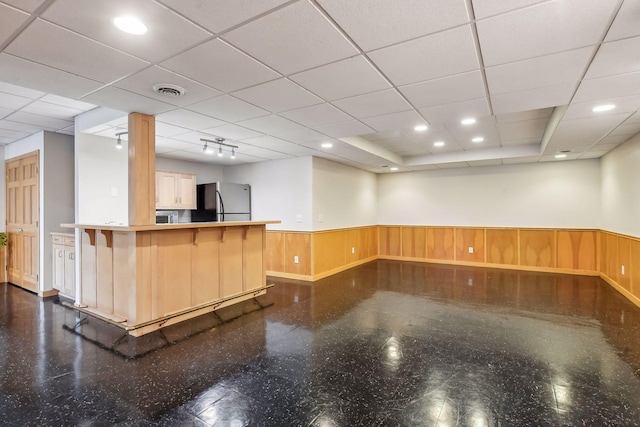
{"x":353,"y":248}
{"x":205,"y":266}
{"x":603,"y":253}
{"x":252,"y":259}
{"x":369,"y":241}
{"x":538,"y":248}
{"x":502,"y":246}
{"x":297,"y":244}
{"x":612,"y":257}
{"x":470,"y":238}
{"x":171,"y":291}
{"x":274,"y":255}
{"x":634,"y":267}
{"x":414,"y":242}
{"x":124,"y":273}
{"x":328,"y":251}
{"x":390,"y":241}
{"x":440,"y":243}
{"x":624,"y":259}
{"x":577,"y":250}
{"x":104,"y":269}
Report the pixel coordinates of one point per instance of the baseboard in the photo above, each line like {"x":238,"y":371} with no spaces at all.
{"x":281,"y":274}
{"x":343,"y":268}
{"x":48,"y":293}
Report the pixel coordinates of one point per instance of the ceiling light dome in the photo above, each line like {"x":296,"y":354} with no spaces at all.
{"x":130,"y":24}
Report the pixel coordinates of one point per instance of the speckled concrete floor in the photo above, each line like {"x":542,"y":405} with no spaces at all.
{"x":387,"y":343}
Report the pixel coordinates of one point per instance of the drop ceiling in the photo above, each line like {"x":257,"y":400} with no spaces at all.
{"x":279,"y":78}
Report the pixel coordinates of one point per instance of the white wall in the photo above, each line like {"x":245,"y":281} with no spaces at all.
{"x":280,"y":190}
{"x":552,"y":194}
{"x":205,"y":172}
{"x":343,"y":196}
{"x":621,"y":188}
{"x":102,"y":180}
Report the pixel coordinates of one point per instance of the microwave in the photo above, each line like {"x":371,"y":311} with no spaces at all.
{"x":166,"y":217}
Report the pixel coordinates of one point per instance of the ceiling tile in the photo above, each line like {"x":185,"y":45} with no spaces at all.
{"x":50,"y":110}
{"x":373,"y":104}
{"x":484,"y":127}
{"x":66,"y":102}
{"x":13,"y":101}
{"x":533,"y":99}
{"x":626,"y":22}
{"x":228,"y":108}
{"x":120,"y":99}
{"x":10,"y":20}
{"x":402,"y":120}
{"x":516,"y":142}
{"x":339,"y":130}
{"x":523,"y":130}
{"x":51,"y":45}
{"x":30,"y":74}
{"x":546,"y":28}
{"x":270,"y":125}
{"x":20,"y":91}
{"x":456,"y":111}
{"x":480,"y":163}
{"x":19,"y":127}
{"x":610,"y":141}
{"x":219,"y":15}
{"x":167,"y":35}
{"x":276,"y":144}
{"x":189,"y":119}
{"x":615,"y":58}
{"x":142,"y":82}
{"x":167,"y":130}
{"x":617,"y":86}
{"x":12,"y":134}
{"x":543,"y":71}
{"x":461,"y":87}
{"x":46,"y":123}
{"x":524,"y":115}
{"x":220,"y":66}
{"x":317,"y":115}
{"x":278,"y":95}
{"x":438,"y":55}
{"x":520,"y":160}
{"x":485,"y":8}
{"x":377,"y":23}
{"x":303,"y":136}
{"x":628,"y":104}
{"x":292,"y":39}
{"x":626,"y":129}
{"x":585,"y":132}
{"x":234,"y":132}
{"x":26,"y":5}
{"x":342,"y":79}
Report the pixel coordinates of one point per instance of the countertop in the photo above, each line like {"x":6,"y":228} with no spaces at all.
{"x":177,"y":226}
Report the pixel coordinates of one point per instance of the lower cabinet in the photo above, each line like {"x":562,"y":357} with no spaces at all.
{"x":64,"y":264}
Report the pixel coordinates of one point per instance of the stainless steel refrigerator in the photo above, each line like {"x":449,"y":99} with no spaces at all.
{"x":222,"y":201}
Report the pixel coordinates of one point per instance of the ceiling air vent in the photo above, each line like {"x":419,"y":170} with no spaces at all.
{"x":167,"y":89}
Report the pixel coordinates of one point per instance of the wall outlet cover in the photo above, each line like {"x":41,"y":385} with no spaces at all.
{"x":470,"y":249}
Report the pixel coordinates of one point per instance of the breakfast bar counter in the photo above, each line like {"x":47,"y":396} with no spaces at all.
{"x":142,"y":278}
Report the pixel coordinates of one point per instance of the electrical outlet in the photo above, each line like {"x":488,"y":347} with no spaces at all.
{"x":298,"y":218}
{"x":623,"y":270}
{"x":353,"y":250}
{"x":295,"y":259}
{"x":470,"y":249}
{"x":320,"y":218}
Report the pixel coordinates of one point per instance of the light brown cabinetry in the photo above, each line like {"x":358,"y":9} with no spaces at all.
{"x":175,"y":190}
{"x":64,"y":264}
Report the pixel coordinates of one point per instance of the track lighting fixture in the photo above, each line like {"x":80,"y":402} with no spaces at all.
{"x":206,"y":149}
{"x":233,"y":153}
{"x":220,"y":141}
{"x":119,"y":141}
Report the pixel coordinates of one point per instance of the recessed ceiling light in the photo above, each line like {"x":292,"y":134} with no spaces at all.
{"x":326,"y":145}
{"x":438,"y":144}
{"x":130,"y":24}
{"x":560,"y":156}
{"x":393,"y":169}
{"x":601,"y":108}
{"x":420,"y":128}
{"x":477,"y":139}
{"x":468,"y":121}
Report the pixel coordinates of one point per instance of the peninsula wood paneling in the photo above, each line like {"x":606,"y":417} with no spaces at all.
{"x":577,"y":250}
{"x":172,"y":271}
{"x":538,"y":248}
{"x":414,"y":242}
{"x":440,"y":243}
{"x":328,"y":251}
{"x":502,"y":246}
{"x":390,"y":241}
{"x":205,"y":265}
{"x":297,"y":244}
{"x":252,"y":258}
{"x":470,"y":237}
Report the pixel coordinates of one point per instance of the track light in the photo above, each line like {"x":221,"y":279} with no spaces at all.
{"x":233,"y":153}
{"x":220,"y":141}
{"x":119,"y":141}
{"x":220,"y":151}
{"x":206,"y":149}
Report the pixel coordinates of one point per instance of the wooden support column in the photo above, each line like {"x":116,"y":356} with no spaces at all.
{"x":142,"y":169}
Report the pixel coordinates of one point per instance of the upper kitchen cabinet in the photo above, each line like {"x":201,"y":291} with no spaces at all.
{"x":175,"y":190}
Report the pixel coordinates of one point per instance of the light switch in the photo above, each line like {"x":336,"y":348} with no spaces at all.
{"x":114,"y":192}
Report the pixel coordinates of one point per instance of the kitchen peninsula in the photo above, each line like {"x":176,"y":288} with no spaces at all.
{"x":144,"y":277}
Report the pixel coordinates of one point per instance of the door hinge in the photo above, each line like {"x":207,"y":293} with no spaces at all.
{"x":37,"y":277}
